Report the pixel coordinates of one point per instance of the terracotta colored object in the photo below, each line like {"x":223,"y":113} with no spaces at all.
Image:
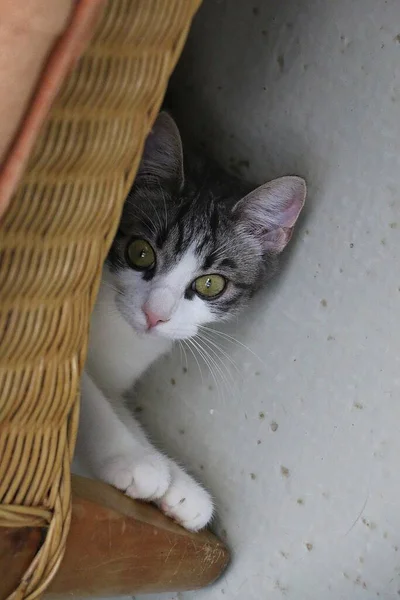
{"x":117,"y":547}
{"x":39,"y":41}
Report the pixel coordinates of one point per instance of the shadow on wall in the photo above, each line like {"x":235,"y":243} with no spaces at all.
{"x":238,"y":100}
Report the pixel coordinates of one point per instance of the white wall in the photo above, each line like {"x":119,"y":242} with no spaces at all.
{"x":313,"y":88}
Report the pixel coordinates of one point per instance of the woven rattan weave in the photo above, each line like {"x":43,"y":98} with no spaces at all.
{"x":53,"y":240}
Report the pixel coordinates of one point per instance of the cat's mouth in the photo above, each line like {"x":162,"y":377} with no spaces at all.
{"x":146,"y":330}
{"x":164,"y":331}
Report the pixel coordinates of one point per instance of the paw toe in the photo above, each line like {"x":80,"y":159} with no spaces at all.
{"x":189,"y":504}
{"x":150,"y":481}
{"x":146,"y":478}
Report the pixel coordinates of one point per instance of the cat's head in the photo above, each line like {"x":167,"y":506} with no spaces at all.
{"x":194,"y":243}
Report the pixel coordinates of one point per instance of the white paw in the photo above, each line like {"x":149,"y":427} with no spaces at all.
{"x":186,"y":501}
{"x":146,"y":477}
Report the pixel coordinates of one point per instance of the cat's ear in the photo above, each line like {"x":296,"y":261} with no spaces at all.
{"x":271,"y":211}
{"x":162,"y":154}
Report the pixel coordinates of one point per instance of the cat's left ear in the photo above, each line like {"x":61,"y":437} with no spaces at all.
{"x":162,"y":154}
{"x":271,"y":211}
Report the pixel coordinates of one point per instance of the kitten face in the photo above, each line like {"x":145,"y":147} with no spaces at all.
{"x":185,"y":251}
{"x":193,"y":246}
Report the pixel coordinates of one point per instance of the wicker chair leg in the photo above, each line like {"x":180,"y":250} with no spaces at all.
{"x":116,"y":547}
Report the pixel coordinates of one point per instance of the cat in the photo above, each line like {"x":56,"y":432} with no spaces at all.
{"x":193,"y":245}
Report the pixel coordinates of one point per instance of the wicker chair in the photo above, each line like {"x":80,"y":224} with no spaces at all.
{"x":62,"y":185}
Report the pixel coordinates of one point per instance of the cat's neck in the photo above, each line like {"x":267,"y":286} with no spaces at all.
{"x":118,"y":355}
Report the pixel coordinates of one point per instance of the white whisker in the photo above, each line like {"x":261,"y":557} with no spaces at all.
{"x":204,"y":357}
{"x":214,"y":357}
{"x":180,"y":351}
{"x":220,"y":349}
{"x":153,"y":228}
{"x":183,"y":350}
{"x":185,"y":342}
{"x":232,"y":340}
{"x":110,"y":286}
{"x":156,"y":212}
{"x":165,"y":204}
{"x":212,"y":365}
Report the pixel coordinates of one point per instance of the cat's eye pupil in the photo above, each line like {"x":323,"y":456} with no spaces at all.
{"x":140,"y":255}
{"x":209,"y":286}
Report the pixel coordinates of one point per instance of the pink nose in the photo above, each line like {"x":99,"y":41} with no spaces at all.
{"x":152,"y":318}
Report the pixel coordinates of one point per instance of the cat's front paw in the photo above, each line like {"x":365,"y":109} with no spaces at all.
{"x":186,"y":501}
{"x":145,"y":477}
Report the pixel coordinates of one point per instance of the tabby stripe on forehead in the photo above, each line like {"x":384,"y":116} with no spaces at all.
{"x":179,"y":221}
{"x":179,"y":241}
{"x":183,"y":210}
{"x":210,"y":260}
{"x":214,"y":222}
{"x":229,"y":263}
{"x":205,"y":242}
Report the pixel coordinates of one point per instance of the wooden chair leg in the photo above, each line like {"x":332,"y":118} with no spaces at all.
{"x":117,"y":546}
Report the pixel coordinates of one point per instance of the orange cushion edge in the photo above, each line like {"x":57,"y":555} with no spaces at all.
{"x":67,"y":49}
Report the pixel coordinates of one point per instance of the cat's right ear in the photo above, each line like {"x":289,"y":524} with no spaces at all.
{"x":162,"y":154}
{"x":270,"y":212}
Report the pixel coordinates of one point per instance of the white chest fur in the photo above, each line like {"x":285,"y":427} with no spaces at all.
{"x":117,"y":354}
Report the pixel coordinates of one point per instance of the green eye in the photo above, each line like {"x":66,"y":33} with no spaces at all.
{"x":141,"y":255}
{"x":209,"y":286}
